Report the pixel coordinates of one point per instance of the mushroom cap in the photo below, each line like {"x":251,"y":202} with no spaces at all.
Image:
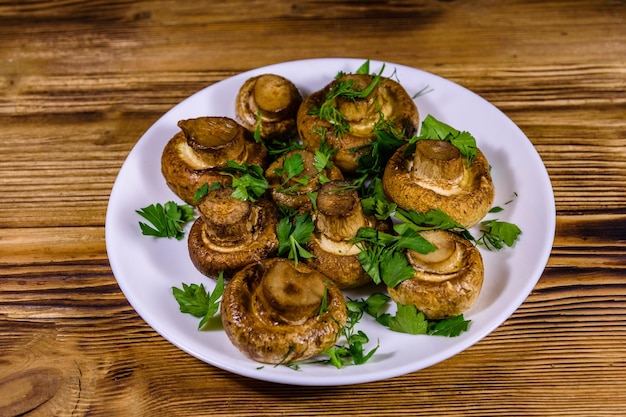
{"x":271,"y":311}
{"x":389,"y":100}
{"x":272,"y":98}
{"x":466,"y":202}
{"x":188,"y":162}
{"x":338,"y":260}
{"x":446,"y":282}
{"x":298,"y":197}
{"x":212,"y":255}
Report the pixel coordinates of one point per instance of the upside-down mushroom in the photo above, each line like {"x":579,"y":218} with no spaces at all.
{"x":295,"y":192}
{"x":447,"y":281}
{"x":272,"y":101}
{"x":347,"y":123}
{"x":338,"y":218}
{"x":275,"y":312}
{"x":194,"y":156}
{"x":230,"y":233}
{"x":438,"y":176}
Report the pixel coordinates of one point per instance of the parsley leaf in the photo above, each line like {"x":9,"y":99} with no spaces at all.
{"x":247,"y":180}
{"x":328,"y":110}
{"x":408,"y":319}
{"x":196,"y":300}
{"x":166,"y":220}
{"x":292,"y":234}
{"x":434,"y":129}
{"x":382,"y":254}
{"x":388,"y":138}
{"x":496,"y":234}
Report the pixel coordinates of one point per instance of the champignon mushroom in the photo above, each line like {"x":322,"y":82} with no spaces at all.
{"x":271,"y":100}
{"x":438,"y":176}
{"x":274,"y":311}
{"x":350,"y":124}
{"x":194,"y":155}
{"x":446,"y":281}
{"x":230,"y":233}
{"x":294,"y":191}
{"x":338,"y":218}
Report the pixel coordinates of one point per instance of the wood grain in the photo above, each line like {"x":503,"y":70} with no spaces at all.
{"x":81,"y":81}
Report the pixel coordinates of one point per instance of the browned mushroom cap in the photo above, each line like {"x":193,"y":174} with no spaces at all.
{"x":230,"y":233}
{"x":338,"y":218}
{"x":272,"y":311}
{"x":194,"y":156}
{"x":447,"y":281}
{"x":272,"y":99}
{"x":389,"y":100}
{"x":437,"y":176}
{"x":295,"y":192}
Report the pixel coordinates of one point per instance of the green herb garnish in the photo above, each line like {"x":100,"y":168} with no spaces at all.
{"x":196,"y":300}
{"x":292,"y":234}
{"x":496,"y":234}
{"x":167,"y":220}
{"x":247,"y":180}
{"x":437,"y":130}
{"x":409,"y":320}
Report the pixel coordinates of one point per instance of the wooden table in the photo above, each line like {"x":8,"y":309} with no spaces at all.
{"x":80,"y":83}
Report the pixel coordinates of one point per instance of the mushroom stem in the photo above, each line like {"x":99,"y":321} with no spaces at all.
{"x":339,"y":213}
{"x":228,"y":221}
{"x":215,"y":139}
{"x":273,"y":96}
{"x":446,"y":259}
{"x":293,"y":295}
{"x":437,"y":161}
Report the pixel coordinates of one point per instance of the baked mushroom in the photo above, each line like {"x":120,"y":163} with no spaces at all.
{"x":230,"y":233}
{"x":338,"y":218}
{"x":438,"y":176}
{"x":275,"y":312}
{"x":194,"y":156}
{"x":446,"y":281}
{"x":348,"y":123}
{"x":294,"y":190}
{"x":272,"y":101}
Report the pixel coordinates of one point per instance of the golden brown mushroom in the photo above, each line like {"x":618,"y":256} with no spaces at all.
{"x":437,"y":176}
{"x":446,"y":281}
{"x":230,"y":233}
{"x":274,"y":311}
{"x":274,"y":101}
{"x":338,"y":218}
{"x":294,"y":192}
{"x":350,"y":128}
{"x":194,"y":156}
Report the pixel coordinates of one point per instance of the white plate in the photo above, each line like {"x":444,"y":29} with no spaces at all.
{"x":147,"y":268}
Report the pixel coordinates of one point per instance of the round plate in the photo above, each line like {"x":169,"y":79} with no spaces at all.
{"x":147,"y":268}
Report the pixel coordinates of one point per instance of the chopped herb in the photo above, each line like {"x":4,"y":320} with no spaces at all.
{"x":292,"y":234}
{"x":196,"y":300}
{"x":204,"y":190}
{"x":247,"y":180}
{"x":496,"y":234}
{"x":166,"y":220}
{"x":435,"y":129}
{"x":409,"y":320}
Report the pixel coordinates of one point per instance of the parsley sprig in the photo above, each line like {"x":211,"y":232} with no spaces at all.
{"x":194,"y":299}
{"x":293,"y":233}
{"x":352,"y":351}
{"x":496,"y":234}
{"x":328,"y":110}
{"x":248,"y":180}
{"x":435,"y":129}
{"x":166,"y":220}
{"x":408,"y":319}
